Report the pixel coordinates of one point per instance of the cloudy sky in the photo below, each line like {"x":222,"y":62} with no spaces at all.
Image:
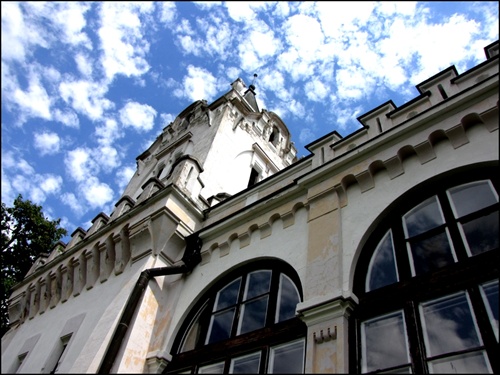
{"x":87,"y":87}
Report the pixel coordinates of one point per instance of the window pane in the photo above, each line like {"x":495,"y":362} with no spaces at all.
{"x":288,"y":299}
{"x":448,"y":325}
{"x":253,"y":315}
{"x":248,"y":364}
{"x":490,"y":296}
{"x":482,"y":233}
{"x":216,"y":368}
{"x":472,"y":197}
{"x":422,"y":218}
{"x":399,"y":370}
{"x":384,"y":342}
{"x":471,"y":363}
{"x":220,"y":326}
{"x":382,"y":268}
{"x":228,"y":295}
{"x":287,"y":359}
{"x":191,"y":338}
{"x":431,"y":253}
{"x":258,"y":284}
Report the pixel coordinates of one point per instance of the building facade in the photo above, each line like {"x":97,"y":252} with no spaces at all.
{"x":377,"y":252}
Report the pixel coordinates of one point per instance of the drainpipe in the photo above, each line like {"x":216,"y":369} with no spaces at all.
{"x":190,"y":259}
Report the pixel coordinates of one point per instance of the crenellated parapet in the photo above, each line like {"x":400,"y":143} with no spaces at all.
{"x":435,"y":93}
{"x":106,"y":251}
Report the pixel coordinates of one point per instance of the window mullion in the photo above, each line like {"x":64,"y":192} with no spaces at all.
{"x":415,"y":337}
{"x":273,"y":298}
{"x":452,"y":225}
{"x":401,"y":251}
{"x":238,"y":306}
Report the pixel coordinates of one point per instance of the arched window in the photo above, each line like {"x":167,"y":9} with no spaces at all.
{"x":427,"y":281}
{"x":274,"y":136}
{"x":246,"y":323}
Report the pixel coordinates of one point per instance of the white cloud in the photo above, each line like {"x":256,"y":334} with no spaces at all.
{"x":122,"y":40}
{"x":18,"y":36}
{"x":217,"y":36}
{"x":167,"y":11}
{"x":50,"y":184}
{"x":108,"y":132}
{"x":96,"y":193}
{"x":255,"y":50}
{"x":47,"y":142}
{"x":316,"y":90}
{"x":304,"y":34}
{"x":76,"y":205}
{"x":70,"y":19}
{"x":198,"y":84}
{"x":166,"y":118}
{"x":68,"y":118}
{"x":123,"y":176}
{"x":15,"y":162}
{"x":84,"y":65}
{"x":86,"y":97}
{"x":35,"y":102}
{"x":80,"y":165}
{"x":138,"y":116}
{"x":107,"y":157}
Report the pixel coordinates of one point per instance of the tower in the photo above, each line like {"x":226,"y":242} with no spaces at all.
{"x":212,"y":151}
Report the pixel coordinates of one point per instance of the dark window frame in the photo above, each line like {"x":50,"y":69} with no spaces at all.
{"x":259,"y":340}
{"x":466,"y":274}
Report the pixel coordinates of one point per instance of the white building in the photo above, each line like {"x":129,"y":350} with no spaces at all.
{"x":376,"y":252}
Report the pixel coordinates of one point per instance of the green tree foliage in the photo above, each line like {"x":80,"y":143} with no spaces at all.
{"x":26,"y":234}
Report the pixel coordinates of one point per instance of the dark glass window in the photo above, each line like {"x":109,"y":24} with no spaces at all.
{"x":427,"y":281}
{"x":246,"y":324}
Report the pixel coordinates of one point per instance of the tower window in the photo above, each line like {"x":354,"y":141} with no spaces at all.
{"x":274,"y":137}
{"x":254,"y":177}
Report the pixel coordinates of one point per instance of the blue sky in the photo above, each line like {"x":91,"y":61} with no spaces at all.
{"x":87,"y":87}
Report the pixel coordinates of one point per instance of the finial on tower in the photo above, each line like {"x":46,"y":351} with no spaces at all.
{"x":252,"y":86}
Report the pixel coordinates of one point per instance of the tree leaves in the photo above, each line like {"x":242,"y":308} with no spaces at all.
{"x":26,"y":234}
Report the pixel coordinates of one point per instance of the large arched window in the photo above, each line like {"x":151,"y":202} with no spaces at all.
{"x":427,"y":281}
{"x":246,"y":323}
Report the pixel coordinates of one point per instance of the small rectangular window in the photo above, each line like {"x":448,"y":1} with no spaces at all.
{"x":60,"y":352}
{"x":20,"y":360}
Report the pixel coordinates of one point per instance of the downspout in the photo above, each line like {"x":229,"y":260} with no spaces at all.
{"x":190,"y":259}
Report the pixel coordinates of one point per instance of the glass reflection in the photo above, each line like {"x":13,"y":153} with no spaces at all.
{"x":288,"y":298}
{"x":431,"y":253}
{"x":191,"y":338}
{"x":490,"y":297}
{"x":382,"y":268}
{"x":287,"y":359}
{"x":471,"y":363}
{"x":220,"y":326}
{"x":449,"y":325}
{"x":384,"y":342}
{"x":248,"y":364}
{"x":482,"y":233}
{"x":471,"y":197}
{"x":253,"y":315}
{"x":425,"y":216}
{"x":258,"y":284}
{"x":216,"y":368}
{"x":228,"y":295}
